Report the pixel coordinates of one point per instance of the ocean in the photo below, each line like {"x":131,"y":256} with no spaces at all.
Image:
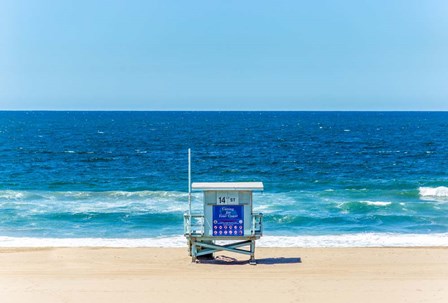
{"x":120,"y":178}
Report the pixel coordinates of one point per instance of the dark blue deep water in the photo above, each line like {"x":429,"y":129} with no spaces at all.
{"x":124,"y":174}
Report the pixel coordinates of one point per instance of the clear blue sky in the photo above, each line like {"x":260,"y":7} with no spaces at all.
{"x":224,"y":55}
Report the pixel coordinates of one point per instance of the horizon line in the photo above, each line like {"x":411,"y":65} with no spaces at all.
{"x":217,"y":110}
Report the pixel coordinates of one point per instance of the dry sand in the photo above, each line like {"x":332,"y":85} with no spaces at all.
{"x":167,"y":275}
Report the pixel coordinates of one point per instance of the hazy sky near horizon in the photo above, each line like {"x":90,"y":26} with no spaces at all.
{"x":224,"y":55}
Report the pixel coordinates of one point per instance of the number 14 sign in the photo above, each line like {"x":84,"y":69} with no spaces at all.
{"x":227,"y":198}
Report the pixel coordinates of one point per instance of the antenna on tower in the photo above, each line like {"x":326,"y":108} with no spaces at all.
{"x":189,"y":183}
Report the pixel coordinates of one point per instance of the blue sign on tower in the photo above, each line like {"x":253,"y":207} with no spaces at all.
{"x":228,"y":220}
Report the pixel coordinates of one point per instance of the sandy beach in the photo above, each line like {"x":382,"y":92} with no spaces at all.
{"x":167,"y":275}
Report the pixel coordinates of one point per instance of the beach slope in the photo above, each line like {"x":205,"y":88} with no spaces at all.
{"x":167,"y":275}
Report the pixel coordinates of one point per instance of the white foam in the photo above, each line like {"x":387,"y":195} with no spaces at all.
{"x":177,"y":241}
{"x":104,"y":202}
{"x":358,"y":240}
{"x":11,"y":194}
{"x":377,"y":203}
{"x":439,"y":192}
{"x":346,"y":240}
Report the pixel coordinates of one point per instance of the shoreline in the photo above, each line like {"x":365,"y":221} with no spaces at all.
{"x":302,"y":241}
{"x":417,"y":274}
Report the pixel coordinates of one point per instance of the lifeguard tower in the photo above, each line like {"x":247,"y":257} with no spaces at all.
{"x":228,"y":215}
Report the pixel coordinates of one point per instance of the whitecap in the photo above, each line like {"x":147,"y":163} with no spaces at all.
{"x":377,"y":203}
{"x":439,"y":192}
{"x":11,"y":194}
{"x":102,"y":202}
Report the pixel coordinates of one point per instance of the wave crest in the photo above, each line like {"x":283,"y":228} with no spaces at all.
{"x":47,"y":202}
{"x":439,"y":192}
{"x":377,"y":203}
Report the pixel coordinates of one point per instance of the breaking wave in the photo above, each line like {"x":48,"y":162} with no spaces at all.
{"x":90,"y":201}
{"x":438,"y":192}
{"x":152,"y":214}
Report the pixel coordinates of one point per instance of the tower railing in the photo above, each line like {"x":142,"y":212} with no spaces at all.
{"x":194,"y":224}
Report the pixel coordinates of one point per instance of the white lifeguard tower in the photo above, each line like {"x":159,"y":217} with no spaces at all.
{"x":227,"y":214}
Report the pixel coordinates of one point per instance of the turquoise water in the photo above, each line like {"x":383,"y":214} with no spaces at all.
{"x":123,"y":175}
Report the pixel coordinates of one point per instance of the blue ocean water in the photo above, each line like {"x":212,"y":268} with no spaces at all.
{"x":123,"y":175}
